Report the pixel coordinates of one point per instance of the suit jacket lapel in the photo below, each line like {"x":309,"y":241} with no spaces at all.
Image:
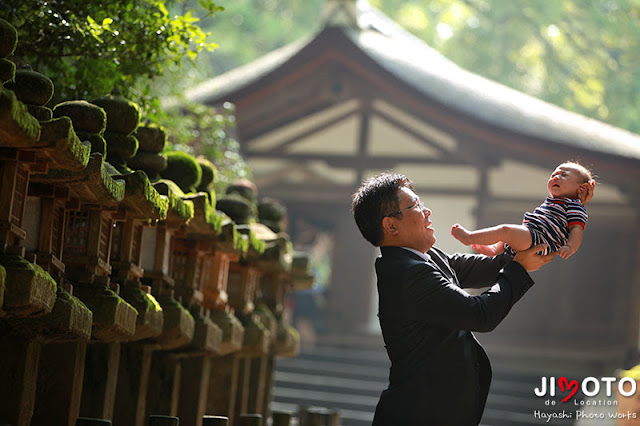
{"x":442,"y":266}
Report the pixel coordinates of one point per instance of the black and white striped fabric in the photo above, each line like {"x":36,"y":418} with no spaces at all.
{"x":550,"y":222}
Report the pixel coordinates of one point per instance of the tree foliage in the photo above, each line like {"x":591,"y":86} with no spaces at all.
{"x":251,"y":28}
{"x":201,"y":130}
{"x":145,"y":48}
{"x":581,"y":55}
{"x":89,"y":48}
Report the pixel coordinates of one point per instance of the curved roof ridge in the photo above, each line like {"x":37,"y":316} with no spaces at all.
{"x":245,"y":74}
{"x":436,"y":76}
{"x":414,"y":62}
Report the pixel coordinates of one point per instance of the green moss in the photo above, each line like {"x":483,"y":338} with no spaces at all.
{"x":98,"y":144}
{"x":169,"y":303}
{"x":143,"y":197}
{"x":85,"y":116}
{"x":8,"y":38}
{"x":152,"y":137}
{"x":240,"y":242}
{"x":31,"y":87}
{"x":12,"y":261}
{"x":19,"y":115}
{"x":285,"y":331}
{"x":120,"y":147}
{"x":123,"y":116}
{"x":250,"y":321}
{"x":209,"y":173}
{"x":245,"y":189}
{"x":183,"y":169}
{"x":183,"y":208}
{"x":238,"y":208}
{"x":115,"y":187}
{"x":272,"y":213}
{"x":93,"y":293}
{"x":40,"y":113}
{"x":253,"y":242}
{"x":141,"y":301}
{"x":161,"y":205}
{"x":70,"y":152}
{"x":64,"y":295}
{"x":3,"y":278}
{"x":7,"y":70}
{"x":75,"y":149}
{"x":212,"y":216}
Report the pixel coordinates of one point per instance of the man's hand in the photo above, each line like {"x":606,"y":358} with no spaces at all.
{"x":531,"y":260}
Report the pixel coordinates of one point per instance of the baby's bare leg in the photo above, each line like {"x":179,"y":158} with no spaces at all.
{"x":517,"y":236}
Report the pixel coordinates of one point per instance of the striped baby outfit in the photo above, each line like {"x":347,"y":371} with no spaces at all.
{"x":550,"y":222}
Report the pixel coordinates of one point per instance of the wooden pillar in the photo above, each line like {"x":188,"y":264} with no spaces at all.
{"x":164,"y":384}
{"x":194,"y":390}
{"x":272,"y":293}
{"x":60,"y":377}
{"x":269,"y":383}
{"x":281,"y":418}
{"x":250,"y":419}
{"x":244,"y":383}
{"x":259,"y":380}
{"x":164,"y":421}
{"x":243,"y":281}
{"x":19,"y":372}
{"x":100,"y":378}
{"x":133,"y":384}
{"x":223,"y":386}
{"x":215,"y":421}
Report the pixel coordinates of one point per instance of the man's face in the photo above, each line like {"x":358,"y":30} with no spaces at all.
{"x":413,"y":224}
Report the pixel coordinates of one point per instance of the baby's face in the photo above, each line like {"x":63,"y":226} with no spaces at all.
{"x":565,"y":181}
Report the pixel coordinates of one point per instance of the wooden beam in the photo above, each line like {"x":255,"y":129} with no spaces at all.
{"x":350,"y":161}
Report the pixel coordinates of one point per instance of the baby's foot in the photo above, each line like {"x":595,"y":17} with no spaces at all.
{"x":460,"y":234}
{"x":489,"y":250}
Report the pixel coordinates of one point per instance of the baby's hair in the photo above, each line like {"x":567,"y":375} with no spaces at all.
{"x":587,"y":175}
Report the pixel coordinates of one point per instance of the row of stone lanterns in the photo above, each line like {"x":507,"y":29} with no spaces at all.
{"x":121,"y":298}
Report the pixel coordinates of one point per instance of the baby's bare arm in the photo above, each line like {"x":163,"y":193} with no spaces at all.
{"x":575,"y":239}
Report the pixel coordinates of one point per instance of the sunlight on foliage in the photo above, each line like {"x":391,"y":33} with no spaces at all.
{"x":201,"y":130}
{"x":412,"y":18}
{"x":91,"y":49}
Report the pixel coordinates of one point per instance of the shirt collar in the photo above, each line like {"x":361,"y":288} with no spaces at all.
{"x":425,"y":256}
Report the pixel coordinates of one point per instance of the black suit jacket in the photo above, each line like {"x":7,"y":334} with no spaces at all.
{"x":440,"y":375}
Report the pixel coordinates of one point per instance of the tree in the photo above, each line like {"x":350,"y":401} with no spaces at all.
{"x":581,"y":55}
{"x":252,"y":28}
{"x":200,"y":130}
{"x":88,"y":48}
{"x":138,"y":46}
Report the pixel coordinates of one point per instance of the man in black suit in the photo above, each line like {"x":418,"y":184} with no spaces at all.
{"x":440,"y":375}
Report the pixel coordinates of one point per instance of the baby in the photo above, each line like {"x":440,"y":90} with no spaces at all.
{"x":559,"y":222}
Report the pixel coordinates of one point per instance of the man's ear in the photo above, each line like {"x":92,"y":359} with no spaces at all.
{"x":388,"y":225}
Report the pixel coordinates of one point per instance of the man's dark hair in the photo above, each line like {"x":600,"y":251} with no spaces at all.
{"x":377,"y":197}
